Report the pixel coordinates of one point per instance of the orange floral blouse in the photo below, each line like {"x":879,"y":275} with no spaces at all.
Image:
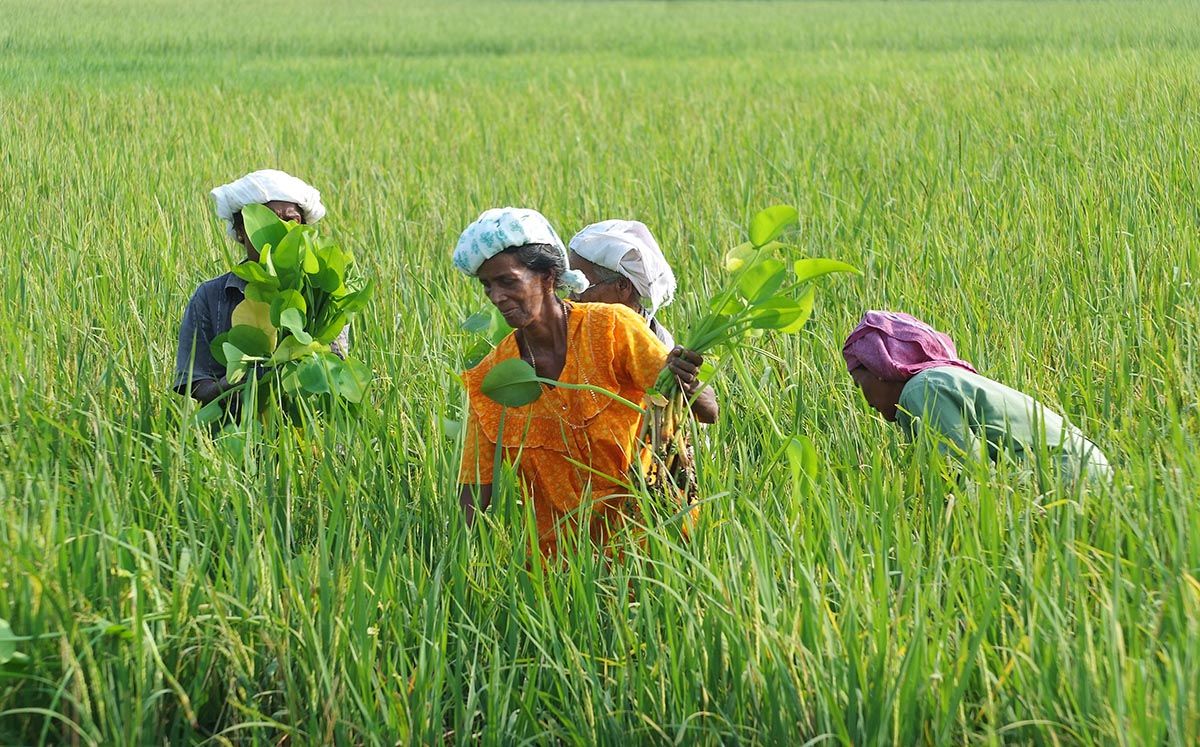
{"x":571,"y":444}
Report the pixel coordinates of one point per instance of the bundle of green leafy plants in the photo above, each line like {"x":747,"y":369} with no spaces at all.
{"x":766,"y":292}
{"x":761,"y":295}
{"x":300,"y":295}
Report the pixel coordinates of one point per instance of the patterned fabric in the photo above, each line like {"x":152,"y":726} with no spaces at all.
{"x":260,"y":187}
{"x":504,"y":228}
{"x":571,"y":446}
{"x":896,"y":346}
{"x":628,"y":247}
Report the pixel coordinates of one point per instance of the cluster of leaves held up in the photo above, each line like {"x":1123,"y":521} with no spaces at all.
{"x":299,"y":298}
{"x":760,"y":295}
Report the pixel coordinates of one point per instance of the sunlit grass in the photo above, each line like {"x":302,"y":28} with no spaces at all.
{"x":1020,"y":174}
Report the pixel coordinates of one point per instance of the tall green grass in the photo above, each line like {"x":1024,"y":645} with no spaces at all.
{"x":1020,"y":174}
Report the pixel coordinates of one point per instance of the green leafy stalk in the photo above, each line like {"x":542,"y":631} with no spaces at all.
{"x":759,"y":294}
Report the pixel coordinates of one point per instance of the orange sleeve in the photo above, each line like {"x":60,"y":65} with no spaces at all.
{"x":478,"y":457}
{"x":637,"y":352}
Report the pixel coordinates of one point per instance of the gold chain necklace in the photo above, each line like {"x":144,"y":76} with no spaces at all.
{"x":529,"y":347}
{"x":558,"y":390}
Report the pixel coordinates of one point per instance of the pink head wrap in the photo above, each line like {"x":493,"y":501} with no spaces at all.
{"x":896,"y":347}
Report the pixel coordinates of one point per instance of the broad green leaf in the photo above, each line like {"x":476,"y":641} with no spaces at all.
{"x":253,"y":272}
{"x":291,"y":349}
{"x":292,"y":319}
{"x":256,"y":314}
{"x":771,"y":222}
{"x":217,"y":348}
{"x":312,"y":375}
{"x":236,"y":362}
{"x":332,"y":329}
{"x":802,"y":458}
{"x":511,"y":383}
{"x":806,"y":303}
{"x":350,"y":377}
{"x":815,"y":267}
{"x":333,"y":274}
{"x":291,"y":382}
{"x":485,"y":322}
{"x":262,"y":292}
{"x":210,"y":413}
{"x":311,"y":263}
{"x":732,"y":306}
{"x":738,"y":256}
{"x":287,"y":299}
{"x":8,"y":645}
{"x":782,"y":314}
{"x":761,"y":281}
{"x":477,"y":353}
{"x":263,"y":226}
{"x":451,"y":428}
{"x":352,"y":303}
{"x":285,"y":255}
{"x":251,"y":340}
{"x":743,"y":254}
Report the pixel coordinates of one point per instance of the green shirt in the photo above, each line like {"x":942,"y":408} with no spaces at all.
{"x":968,"y":413}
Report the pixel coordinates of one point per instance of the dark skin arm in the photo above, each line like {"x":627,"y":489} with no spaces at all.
{"x":466,"y":498}
{"x":685,"y":364}
{"x":205,"y":391}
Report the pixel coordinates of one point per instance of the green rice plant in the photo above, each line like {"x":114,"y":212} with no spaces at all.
{"x":1021,"y":175}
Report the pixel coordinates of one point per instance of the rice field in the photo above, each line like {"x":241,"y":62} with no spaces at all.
{"x":1020,"y":174}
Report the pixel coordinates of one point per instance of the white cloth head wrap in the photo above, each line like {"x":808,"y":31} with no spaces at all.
{"x":627,"y":247}
{"x":503,"y":228}
{"x":261,"y":187}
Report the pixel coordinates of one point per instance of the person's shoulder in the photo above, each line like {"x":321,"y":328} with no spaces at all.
{"x":937,"y":380}
{"x":662,"y":333}
{"x":213,"y":285}
{"x":605,"y":313}
{"x":611,"y":317}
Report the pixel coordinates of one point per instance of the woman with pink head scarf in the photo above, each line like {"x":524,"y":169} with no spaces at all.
{"x":912,"y":375}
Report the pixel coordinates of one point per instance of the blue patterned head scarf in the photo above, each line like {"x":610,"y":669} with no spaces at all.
{"x":504,"y":228}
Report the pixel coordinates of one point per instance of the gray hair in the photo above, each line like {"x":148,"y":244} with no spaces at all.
{"x":542,"y":258}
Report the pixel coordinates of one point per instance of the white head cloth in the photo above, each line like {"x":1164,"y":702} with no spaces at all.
{"x":264,"y":186}
{"x":627,"y":247}
{"x":503,"y":228}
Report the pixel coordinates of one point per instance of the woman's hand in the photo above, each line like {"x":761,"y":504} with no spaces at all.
{"x":685,"y":365}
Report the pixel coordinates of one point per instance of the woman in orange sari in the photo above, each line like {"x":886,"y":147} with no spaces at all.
{"x":573,"y":450}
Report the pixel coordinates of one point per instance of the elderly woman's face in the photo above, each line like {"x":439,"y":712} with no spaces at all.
{"x":882,"y":395}
{"x":602,"y":290}
{"x":520,"y":294}
{"x":285,"y":211}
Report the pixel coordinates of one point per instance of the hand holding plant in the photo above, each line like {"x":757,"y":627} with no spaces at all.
{"x":760,"y":295}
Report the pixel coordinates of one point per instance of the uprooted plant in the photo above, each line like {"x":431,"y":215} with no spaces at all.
{"x":765,"y":293}
{"x":300,"y":295}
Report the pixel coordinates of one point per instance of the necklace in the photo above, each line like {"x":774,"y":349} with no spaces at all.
{"x":529,"y":348}
{"x":562,"y":402}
